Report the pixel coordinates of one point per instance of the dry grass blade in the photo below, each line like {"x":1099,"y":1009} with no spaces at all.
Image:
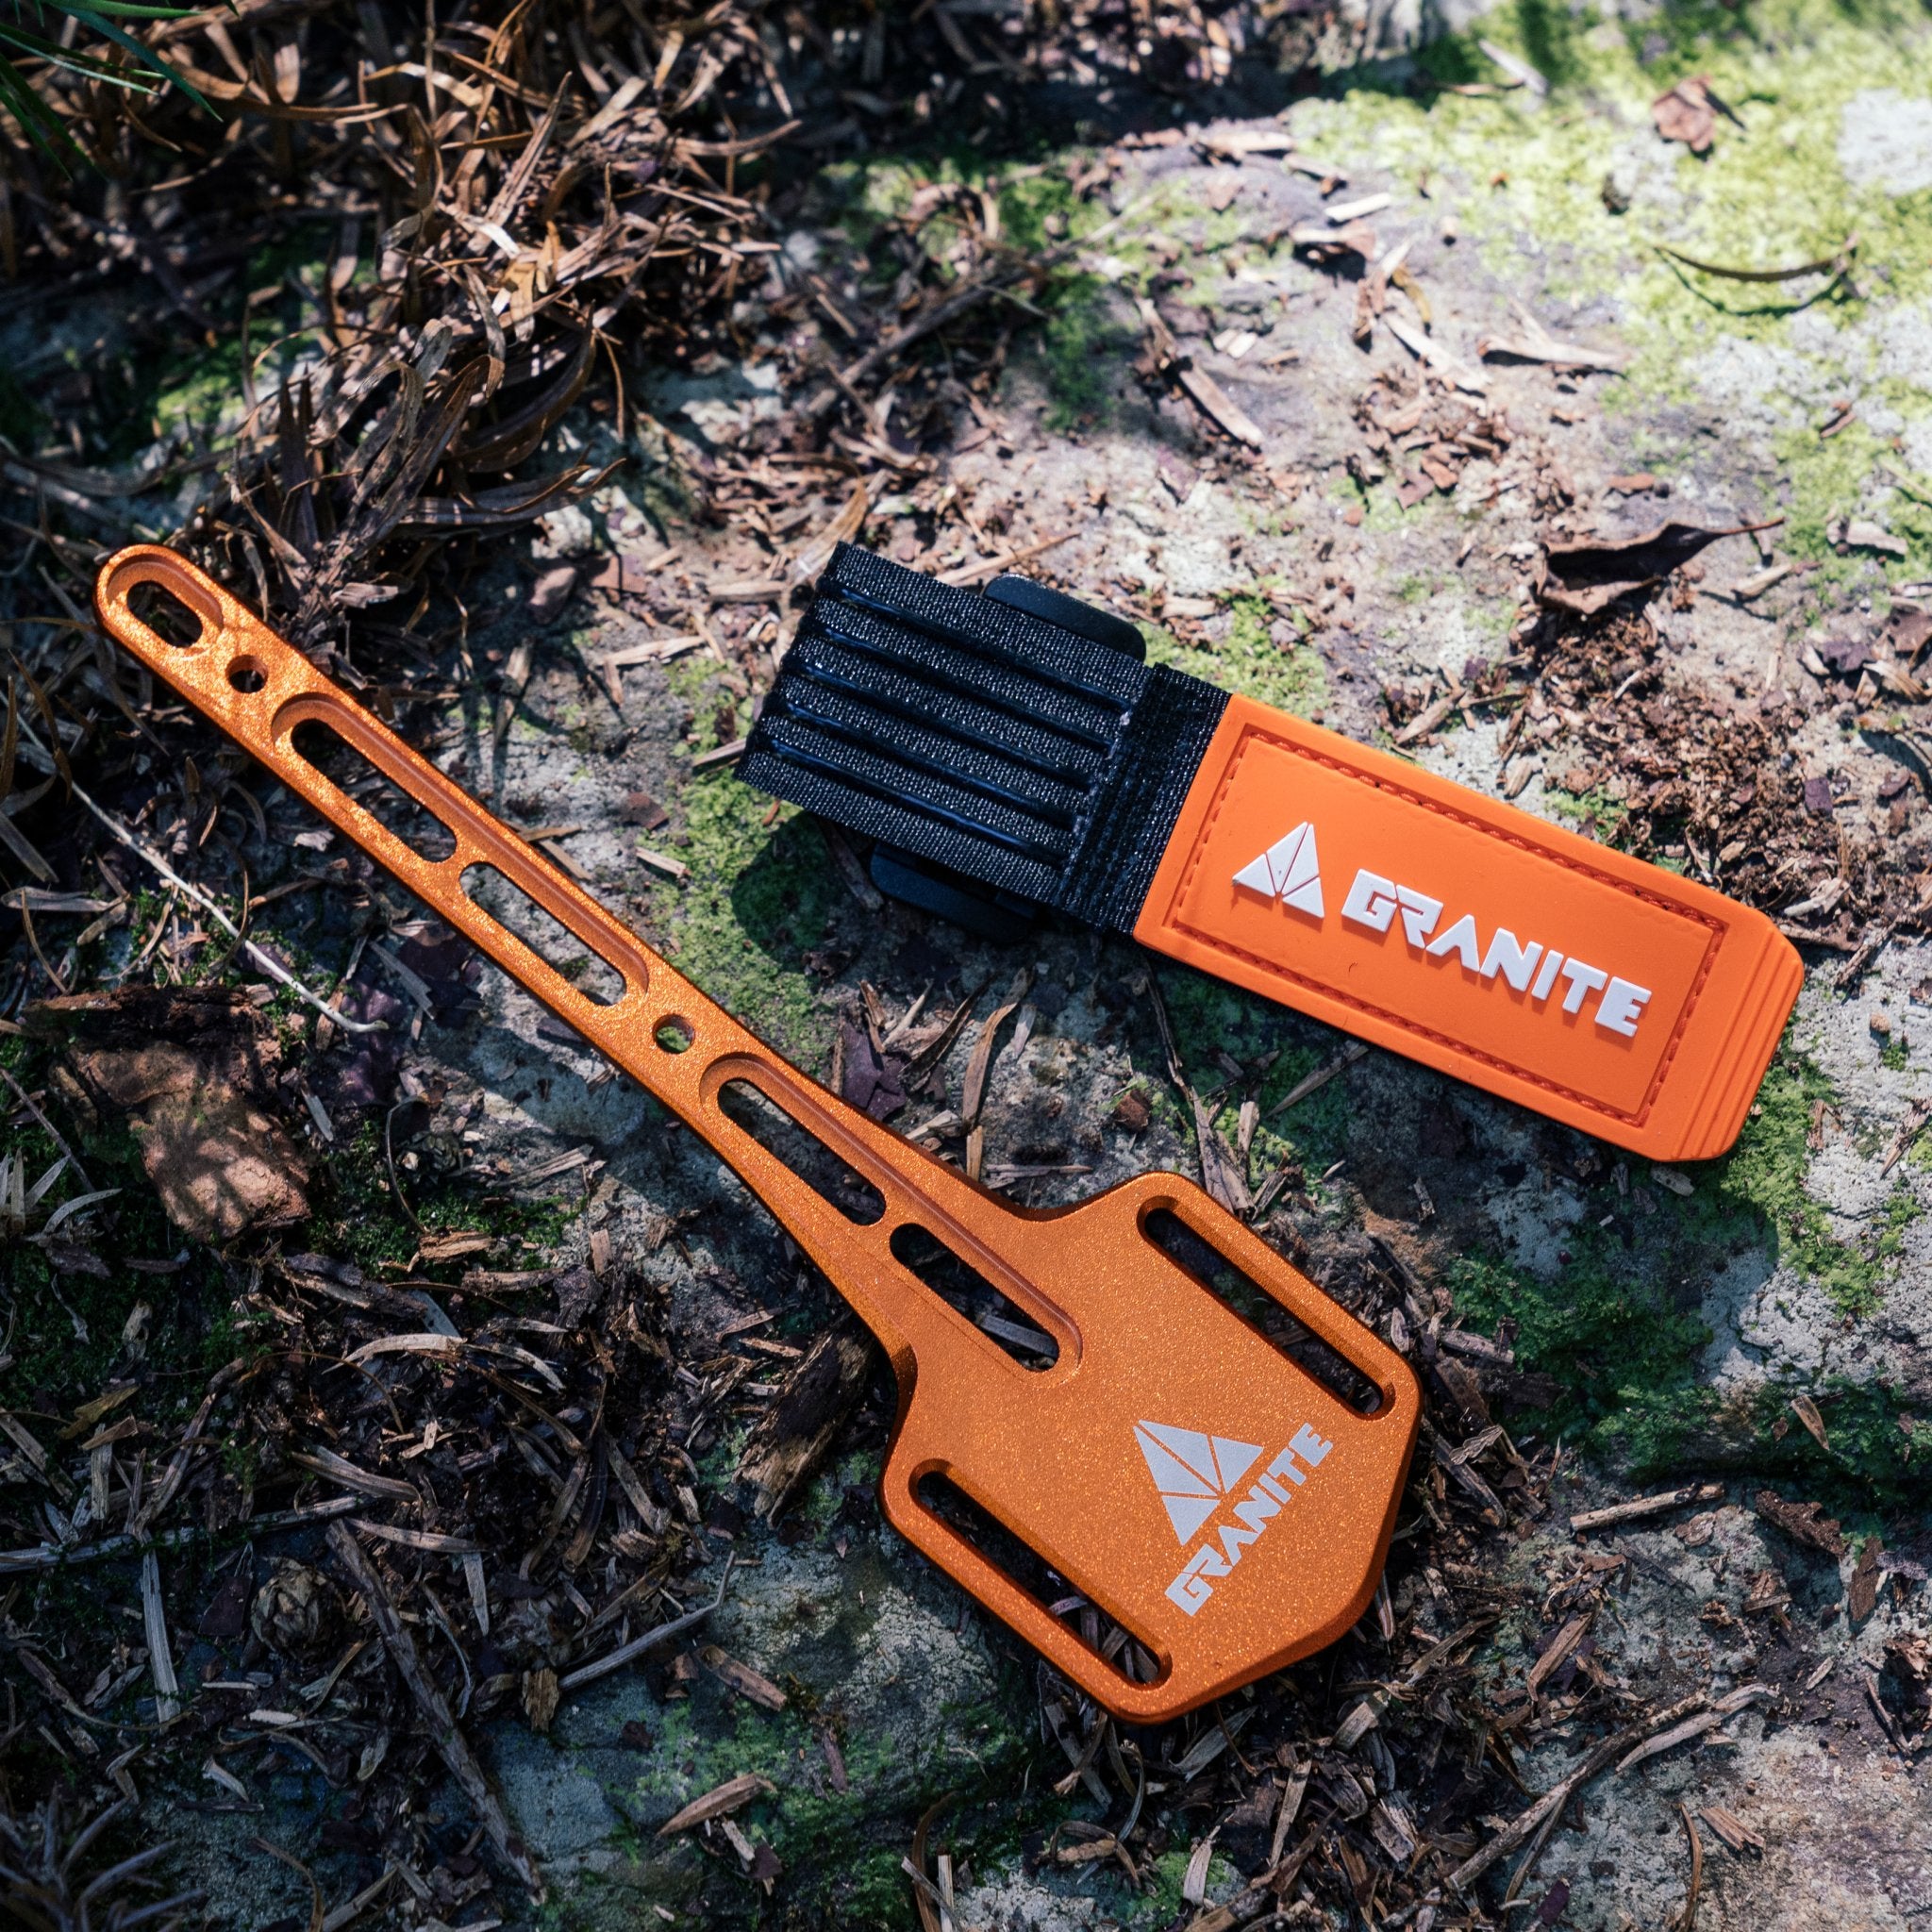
{"x":1835,"y":263}
{"x":326,"y":1462}
{"x":1312,"y":1083}
{"x":449,"y":1741}
{"x":49,"y":1883}
{"x":924,"y":1894}
{"x":1225,"y":412}
{"x":974,"y":1092}
{"x":1686,"y":1919}
{"x":316,"y":1915}
{"x":159,"y":1648}
{"x":459,"y":326}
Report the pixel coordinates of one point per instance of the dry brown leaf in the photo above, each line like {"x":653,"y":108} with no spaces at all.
{"x":193,"y":1069}
{"x":741,"y":1677}
{"x":1907,"y":1674}
{"x":1589,"y":577}
{"x":1806,"y":1413}
{"x":540,"y":1696}
{"x":1861,"y":1595}
{"x":1687,"y":112}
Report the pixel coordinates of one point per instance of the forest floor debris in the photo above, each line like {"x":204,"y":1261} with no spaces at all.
{"x":531,"y":1374}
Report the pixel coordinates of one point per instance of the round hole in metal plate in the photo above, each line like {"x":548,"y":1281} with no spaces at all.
{"x":246,"y":674}
{"x":673,"y":1034}
{"x":166,"y":615}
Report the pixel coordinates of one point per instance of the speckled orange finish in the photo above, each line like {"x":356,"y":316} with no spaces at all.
{"x":1052,"y":1454}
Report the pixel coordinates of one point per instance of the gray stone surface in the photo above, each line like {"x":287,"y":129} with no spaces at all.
{"x":1886,"y":140}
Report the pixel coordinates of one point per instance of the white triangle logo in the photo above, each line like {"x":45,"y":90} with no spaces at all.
{"x":1288,"y":871}
{"x":1192,"y":1470}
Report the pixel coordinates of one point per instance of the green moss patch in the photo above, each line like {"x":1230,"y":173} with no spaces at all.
{"x":756,"y":898}
{"x":1290,"y":676}
{"x":1208,"y":1016}
{"x":1160,"y":1903}
{"x":1619,"y":1331}
{"x":1595,"y":808}
{"x":1759,"y":1188}
{"x":69,"y":1331}
{"x":844,"y":1846}
{"x":358,"y":1218}
{"x":1769,"y":195}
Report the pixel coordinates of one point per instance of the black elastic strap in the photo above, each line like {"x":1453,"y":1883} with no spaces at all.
{"x":981,"y":735}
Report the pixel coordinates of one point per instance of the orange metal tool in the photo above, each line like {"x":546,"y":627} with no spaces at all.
{"x":1225,"y":1509}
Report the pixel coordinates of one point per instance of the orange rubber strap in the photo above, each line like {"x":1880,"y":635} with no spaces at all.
{"x":1185,"y":1477}
{"x":1638,"y":1006}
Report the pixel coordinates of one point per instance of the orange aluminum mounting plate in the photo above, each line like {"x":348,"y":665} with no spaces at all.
{"x":1174,"y":1467}
{"x":1614,"y":996}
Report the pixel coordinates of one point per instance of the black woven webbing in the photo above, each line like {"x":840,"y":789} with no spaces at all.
{"x":982,"y":738}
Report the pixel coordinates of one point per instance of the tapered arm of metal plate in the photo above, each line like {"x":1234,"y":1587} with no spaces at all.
{"x":678,"y":1045}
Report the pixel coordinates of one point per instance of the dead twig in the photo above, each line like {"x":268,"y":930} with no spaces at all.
{"x":1640,"y":1508}
{"x":18,"y":1562}
{"x":663,"y":1633}
{"x":266,"y":961}
{"x":1552,"y":1802}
